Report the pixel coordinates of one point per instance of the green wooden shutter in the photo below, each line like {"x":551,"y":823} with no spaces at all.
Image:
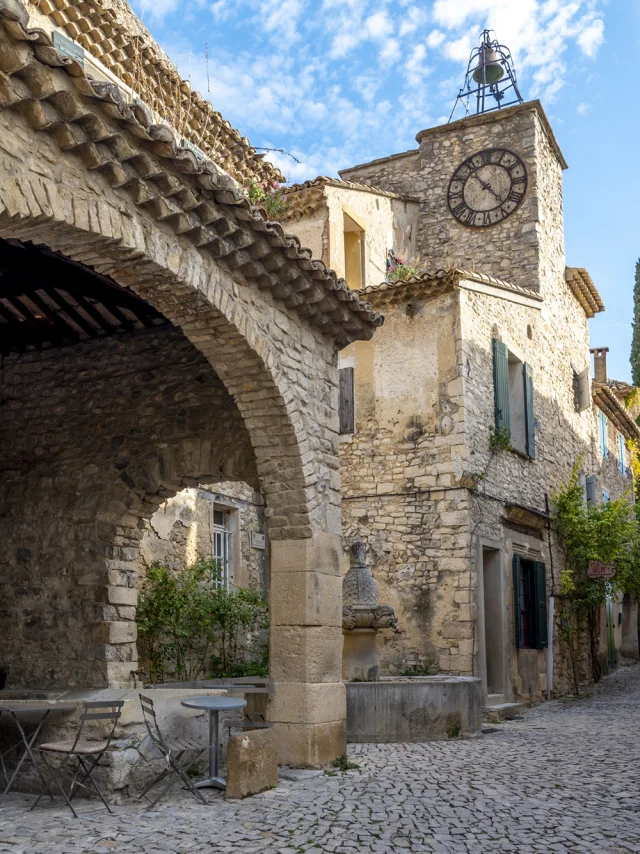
{"x":501,"y":384}
{"x":517,"y":595}
{"x":540,"y":604}
{"x":528,"y":410}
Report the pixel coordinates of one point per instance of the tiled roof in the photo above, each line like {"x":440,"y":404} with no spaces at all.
{"x":430,"y":284}
{"x":605,"y":399}
{"x":305,"y":199}
{"x":190,"y":194}
{"x":584,"y":290}
{"x":112,"y":33}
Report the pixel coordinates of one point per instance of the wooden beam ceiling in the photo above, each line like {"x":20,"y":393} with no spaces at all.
{"x":47,"y":300}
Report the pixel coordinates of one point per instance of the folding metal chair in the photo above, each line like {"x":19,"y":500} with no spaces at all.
{"x":173,"y":751}
{"x":87,"y":753}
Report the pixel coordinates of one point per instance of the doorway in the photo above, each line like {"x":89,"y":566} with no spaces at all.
{"x":493,"y":620}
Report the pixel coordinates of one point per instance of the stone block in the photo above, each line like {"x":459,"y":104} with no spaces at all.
{"x":307,"y":702}
{"x":310,"y":745}
{"x":306,"y":599}
{"x":322,"y":554}
{"x":306,"y":653}
{"x":252,"y":763}
{"x":122,"y":595}
{"x":114,"y":632}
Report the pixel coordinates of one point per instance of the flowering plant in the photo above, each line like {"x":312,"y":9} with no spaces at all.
{"x":398,"y":270}
{"x":269,"y":196}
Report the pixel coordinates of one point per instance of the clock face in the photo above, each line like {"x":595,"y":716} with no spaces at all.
{"x":487,"y":187}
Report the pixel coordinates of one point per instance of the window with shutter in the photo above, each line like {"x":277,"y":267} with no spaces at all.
{"x":346,"y":401}
{"x":602,"y":434}
{"x":530,"y":603}
{"x":622,"y":468}
{"x":519,"y":605}
{"x":501,"y":384}
{"x":528,"y":410}
{"x":590,"y":489}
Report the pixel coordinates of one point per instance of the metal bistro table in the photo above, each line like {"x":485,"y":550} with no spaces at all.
{"x":42,"y":711}
{"x":214,"y":705}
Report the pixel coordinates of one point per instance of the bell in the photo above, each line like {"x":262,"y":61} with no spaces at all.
{"x":493,"y":70}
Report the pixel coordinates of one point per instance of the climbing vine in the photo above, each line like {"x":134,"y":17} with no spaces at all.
{"x":607,"y":532}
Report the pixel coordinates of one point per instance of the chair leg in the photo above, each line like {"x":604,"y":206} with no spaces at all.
{"x":181,"y":771}
{"x":88,"y":776}
{"x":164,"y":792}
{"x":56,"y":779}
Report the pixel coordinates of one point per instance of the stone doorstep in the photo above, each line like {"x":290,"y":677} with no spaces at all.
{"x":496,"y":712}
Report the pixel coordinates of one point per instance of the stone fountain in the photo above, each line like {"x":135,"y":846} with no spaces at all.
{"x":395,"y":708}
{"x":362,"y":616}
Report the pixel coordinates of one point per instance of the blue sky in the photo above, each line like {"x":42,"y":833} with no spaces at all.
{"x":340,"y":82}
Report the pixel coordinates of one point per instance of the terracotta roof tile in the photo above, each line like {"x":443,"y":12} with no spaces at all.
{"x":111,"y":32}
{"x":429,"y":284}
{"x":93,"y":120}
{"x":305,"y":199}
{"x":584,"y":290}
{"x":606,"y":399}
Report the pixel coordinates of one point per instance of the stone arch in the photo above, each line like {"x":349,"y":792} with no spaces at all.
{"x":198,"y":297}
{"x":266,"y":362}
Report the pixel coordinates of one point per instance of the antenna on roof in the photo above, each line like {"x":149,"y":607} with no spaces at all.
{"x":490,"y":74}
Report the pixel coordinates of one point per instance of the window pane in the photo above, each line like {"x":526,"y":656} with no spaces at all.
{"x":218,"y":517}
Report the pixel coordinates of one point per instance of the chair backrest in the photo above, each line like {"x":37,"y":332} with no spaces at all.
{"x":151,"y":721}
{"x":100,"y":710}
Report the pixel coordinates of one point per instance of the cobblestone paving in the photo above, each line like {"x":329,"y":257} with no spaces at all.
{"x":566,"y":778}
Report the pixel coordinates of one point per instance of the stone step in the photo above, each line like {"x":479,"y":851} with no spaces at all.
{"x":501,"y":711}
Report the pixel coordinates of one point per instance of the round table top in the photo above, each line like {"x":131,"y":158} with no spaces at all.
{"x":214,"y":704}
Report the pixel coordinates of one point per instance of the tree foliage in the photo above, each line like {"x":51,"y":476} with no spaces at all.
{"x":607,"y":532}
{"x":635,"y":341}
{"x":190,"y":626}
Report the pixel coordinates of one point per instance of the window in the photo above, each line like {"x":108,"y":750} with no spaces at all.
{"x":590,"y":489}
{"x":220,"y":536}
{"x":530,"y":603}
{"x":602,"y":434}
{"x":513,"y":398}
{"x":346,"y":401}
{"x":605,"y":496}
{"x":622,"y":468}
{"x":353,"y":253}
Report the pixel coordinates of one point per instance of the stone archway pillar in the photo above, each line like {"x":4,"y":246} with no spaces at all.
{"x":308,"y":707}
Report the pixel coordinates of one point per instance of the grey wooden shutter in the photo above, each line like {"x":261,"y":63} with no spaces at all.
{"x":528,"y":410}
{"x":501,"y":384}
{"x":517,"y":603}
{"x":346,"y":403}
{"x":583,"y":389}
{"x":540,"y":604}
{"x":590,"y":488}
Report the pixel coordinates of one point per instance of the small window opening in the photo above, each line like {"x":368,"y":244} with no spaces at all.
{"x":353,"y":253}
{"x":529,"y":332}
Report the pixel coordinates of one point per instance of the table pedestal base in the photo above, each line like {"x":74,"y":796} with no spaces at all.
{"x":211,"y":783}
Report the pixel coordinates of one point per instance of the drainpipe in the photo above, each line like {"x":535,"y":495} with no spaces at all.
{"x":551,"y":603}
{"x":550,"y":647}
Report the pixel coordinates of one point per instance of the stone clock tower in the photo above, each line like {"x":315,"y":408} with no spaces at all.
{"x":490,"y":191}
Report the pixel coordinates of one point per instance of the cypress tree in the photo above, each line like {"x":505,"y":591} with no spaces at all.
{"x":635,"y":341}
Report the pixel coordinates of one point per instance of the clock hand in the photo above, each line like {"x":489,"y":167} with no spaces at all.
{"x":486,"y":186}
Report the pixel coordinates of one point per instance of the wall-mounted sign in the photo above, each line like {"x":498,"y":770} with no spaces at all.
{"x":598,"y":569}
{"x":258,"y":541}
{"x":67,"y":47}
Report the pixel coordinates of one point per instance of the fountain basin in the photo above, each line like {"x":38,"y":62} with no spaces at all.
{"x":414,"y":709}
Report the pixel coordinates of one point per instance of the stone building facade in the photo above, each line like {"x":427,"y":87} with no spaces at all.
{"x":227,"y":372}
{"x":457,"y":525}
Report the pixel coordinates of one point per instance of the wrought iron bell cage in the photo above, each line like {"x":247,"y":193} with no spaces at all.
{"x":490,"y":78}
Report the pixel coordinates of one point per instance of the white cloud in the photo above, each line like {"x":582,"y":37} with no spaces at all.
{"x":435,"y":38}
{"x":592,"y":37}
{"x":378,"y":25}
{"x":583,"y":109}
{"x":415,"y":17}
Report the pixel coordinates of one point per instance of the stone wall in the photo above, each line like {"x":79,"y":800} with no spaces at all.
{"x":81,"y":427}
{"x":181,"y":531}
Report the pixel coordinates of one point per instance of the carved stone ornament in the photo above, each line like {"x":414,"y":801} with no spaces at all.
{"x":358,"y":586}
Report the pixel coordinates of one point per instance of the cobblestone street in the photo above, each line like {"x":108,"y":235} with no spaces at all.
{"x":564,"y":778}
